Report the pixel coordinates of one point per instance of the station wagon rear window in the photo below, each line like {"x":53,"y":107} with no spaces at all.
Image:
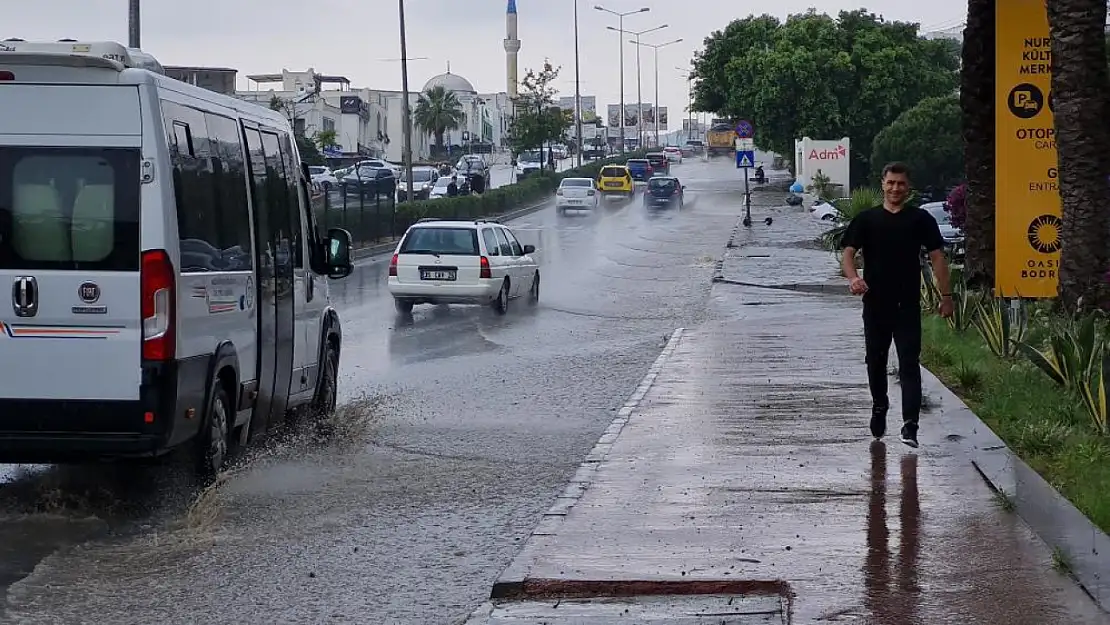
{"x":441,"y":241}
{"x":69,"y":208}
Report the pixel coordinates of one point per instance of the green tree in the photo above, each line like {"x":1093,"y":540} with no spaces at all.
{"x":1080,"y":82}
{"x":927,"y":138}
{"x":310,"y":154}
{"x":326,"y":139}
{"x":437,"y":111}
{"x":819,"y":76}
{"x":977,"y":95}
{"x":536,"y":117}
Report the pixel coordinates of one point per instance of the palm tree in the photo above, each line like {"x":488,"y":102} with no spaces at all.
{"x":1080,"y":81}
{"x":977,"y":104}
{"x":437,"y":111}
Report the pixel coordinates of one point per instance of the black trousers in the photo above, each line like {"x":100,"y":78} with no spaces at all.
{"x":900,"y":322}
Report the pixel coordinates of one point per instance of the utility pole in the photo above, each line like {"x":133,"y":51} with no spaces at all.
{"x":407,"y":122}
{"x":133,"y":24}
{"x":620,"y":29}
{"x":577,"y":88}
{"x":656,"y":47}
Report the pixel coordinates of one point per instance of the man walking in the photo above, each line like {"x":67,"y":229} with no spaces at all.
{"x":891,"y":237}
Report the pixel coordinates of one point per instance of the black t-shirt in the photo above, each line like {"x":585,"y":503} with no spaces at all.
{"x":891,"y":244}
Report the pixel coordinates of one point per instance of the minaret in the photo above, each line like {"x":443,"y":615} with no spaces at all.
{"x":512,"y":47}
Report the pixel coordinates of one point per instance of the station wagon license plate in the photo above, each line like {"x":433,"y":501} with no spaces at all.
{"x":442,"y":274}
{"x":614,"y":184}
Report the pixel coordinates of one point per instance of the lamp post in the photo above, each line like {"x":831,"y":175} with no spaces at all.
{"x":689,"y":102}
{"x":133,"y":24}
{"x":656,"y":47}
{"x":620,"y":23}
{"x":639,"y":90}
{"x":577,"y":90}
{"x":406,"y":123}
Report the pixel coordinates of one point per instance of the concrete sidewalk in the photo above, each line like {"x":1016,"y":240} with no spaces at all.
{"x":741,"y":482}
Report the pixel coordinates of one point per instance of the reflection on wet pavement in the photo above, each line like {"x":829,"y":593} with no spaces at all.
{"x":887,"y":602}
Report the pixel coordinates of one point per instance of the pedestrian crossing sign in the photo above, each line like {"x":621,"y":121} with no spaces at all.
{"x":745,"y":159}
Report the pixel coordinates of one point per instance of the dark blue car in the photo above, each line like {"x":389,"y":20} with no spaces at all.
{"x":640,"y":169}
{"x":664,"y":191}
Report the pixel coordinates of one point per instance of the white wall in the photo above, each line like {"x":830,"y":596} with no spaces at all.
{"x":831,"y":157}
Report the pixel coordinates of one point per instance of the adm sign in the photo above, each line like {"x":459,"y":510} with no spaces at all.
{"x":828,"y":157}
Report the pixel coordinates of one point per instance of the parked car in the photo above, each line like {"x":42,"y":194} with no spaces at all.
{"x":615,"y":181}
{"x":473,"y":163}
{"x":380,"y":163}
{"x":640,"y":169}
{"x":439,"y":189}
{"x":660,"y":164}
{"x":665,"y":191}
{"x":423,"y":179}
{"x":576,"y":194}
{"x":370,"y":181}
{"x":323,"y":176}
{"x":462,"y":262}
{"x":528,"y":163}
{"x":954,"y":239}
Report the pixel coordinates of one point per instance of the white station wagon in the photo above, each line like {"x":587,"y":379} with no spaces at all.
{"x":462,"y":262}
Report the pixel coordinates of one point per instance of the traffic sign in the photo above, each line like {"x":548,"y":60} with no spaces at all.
{"x":745,"y":145}
{"x":745,"y":159}
{"x":745,"y":129}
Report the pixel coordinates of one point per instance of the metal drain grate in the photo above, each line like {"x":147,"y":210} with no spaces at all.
{"x":650,"y":610}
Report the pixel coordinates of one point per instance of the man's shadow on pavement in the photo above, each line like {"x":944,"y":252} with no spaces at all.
{"x":897,"y":603}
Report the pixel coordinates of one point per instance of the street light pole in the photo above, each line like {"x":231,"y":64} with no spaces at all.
{"x":577,"y":88}
{"x":620,"y":22}
{"x":134,"y":26}
{"x":640,"y":105}
{"x":406,"y":124}
{"x":656,"y":47}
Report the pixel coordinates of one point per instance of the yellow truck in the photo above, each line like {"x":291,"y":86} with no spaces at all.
{"x":721,"y":138}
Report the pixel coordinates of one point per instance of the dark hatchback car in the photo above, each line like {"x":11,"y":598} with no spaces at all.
{"x":664,"y":191}
{"x":640,"y":169}
{"x":659,"y":163}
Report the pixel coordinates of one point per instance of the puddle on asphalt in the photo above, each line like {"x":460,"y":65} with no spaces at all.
{"x":139,"y":506}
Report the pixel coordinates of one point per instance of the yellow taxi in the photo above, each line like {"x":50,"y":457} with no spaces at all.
{"x":615,"y":181}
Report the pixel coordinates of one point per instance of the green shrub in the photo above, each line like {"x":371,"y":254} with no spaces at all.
{"x":527,"y":192}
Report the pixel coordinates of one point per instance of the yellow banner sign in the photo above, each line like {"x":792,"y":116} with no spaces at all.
{"x":1027,"y":197}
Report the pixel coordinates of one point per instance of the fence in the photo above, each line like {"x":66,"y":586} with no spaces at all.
{"x":369,"y":217}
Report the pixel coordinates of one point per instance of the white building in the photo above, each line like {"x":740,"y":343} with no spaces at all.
{"x":357,"y":116}
{"x":485,"y":116}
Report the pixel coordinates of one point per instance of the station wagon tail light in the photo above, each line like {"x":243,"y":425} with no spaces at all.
{"x":559,"y":191}
{"x":156,"y":279}
{"x":484,"y":272}
{"x":393,"y":267}
{"x":590,"y":192}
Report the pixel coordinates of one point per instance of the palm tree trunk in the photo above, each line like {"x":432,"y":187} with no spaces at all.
{"x":977,"y":103}
{"x":1080,"y":82}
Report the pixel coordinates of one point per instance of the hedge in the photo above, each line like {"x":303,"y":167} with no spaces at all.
{"x":532,"y":190}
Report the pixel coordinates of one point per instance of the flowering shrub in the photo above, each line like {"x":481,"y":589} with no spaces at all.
{"x":957,"y":206}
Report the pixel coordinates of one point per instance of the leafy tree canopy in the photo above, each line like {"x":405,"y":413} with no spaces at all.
{"x":537,"y":119}
{"x":819,"y":76}
{"x":928,"y":139}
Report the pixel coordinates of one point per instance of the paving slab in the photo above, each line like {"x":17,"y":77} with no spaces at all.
{"x":652,"y":610}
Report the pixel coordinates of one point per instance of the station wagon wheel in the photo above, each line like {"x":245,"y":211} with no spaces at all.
{"x":501,"y":304}
{"x":212,"y":445}
{"x":534,"y":292}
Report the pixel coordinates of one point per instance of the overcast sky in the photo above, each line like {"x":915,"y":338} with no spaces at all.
{"x":359,"y":39}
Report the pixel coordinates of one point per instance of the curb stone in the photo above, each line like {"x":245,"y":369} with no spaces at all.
{"x":380,"y":249}
{"x":719,"y":266}
{"x":1054,"y":519}
{"x":510,"y":583}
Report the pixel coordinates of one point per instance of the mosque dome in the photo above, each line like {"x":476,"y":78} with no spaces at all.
{"x":451,"y":82}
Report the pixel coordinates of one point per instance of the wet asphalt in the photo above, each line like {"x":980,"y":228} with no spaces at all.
{"x":458,"y":429}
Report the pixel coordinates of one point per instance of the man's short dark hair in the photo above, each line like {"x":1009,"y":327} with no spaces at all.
{"x":897,"y":167}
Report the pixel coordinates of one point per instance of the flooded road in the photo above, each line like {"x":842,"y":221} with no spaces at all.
{"x":457,"y":429}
